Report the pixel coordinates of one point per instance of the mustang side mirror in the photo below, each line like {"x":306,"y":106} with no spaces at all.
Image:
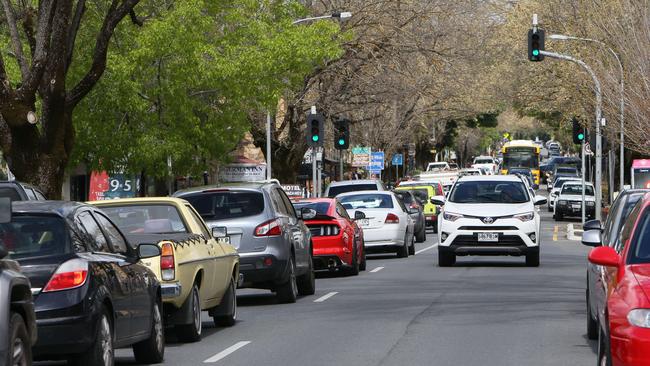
{"x":148,"y":251}
{"x":358,"y":215}
{"x":5,"y":210}
{"x":604,"y":256}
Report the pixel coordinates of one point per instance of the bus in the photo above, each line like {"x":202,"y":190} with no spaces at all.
{"x":521,"y":154}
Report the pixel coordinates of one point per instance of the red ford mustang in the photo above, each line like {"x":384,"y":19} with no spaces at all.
{"x":337,"y":239}
{"x":624,"y":307}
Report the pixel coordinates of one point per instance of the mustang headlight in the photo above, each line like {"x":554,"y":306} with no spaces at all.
{"x":639,"y":318}
{"x":451,"y":216}
{"x":525,"y":216}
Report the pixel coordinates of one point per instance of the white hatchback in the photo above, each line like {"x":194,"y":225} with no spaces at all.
{"x":387,"y":225}
{"x":489,"y":215}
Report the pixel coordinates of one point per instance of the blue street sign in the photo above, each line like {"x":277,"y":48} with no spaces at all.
{"x":375,"y":166}
{"x":398,"y":159}
{"x":376,"y":160}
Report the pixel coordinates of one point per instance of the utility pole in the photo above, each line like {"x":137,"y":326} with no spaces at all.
{"x":268,"y":145}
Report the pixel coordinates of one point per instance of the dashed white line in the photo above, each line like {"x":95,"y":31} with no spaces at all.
{"x":325,"y":297}
{"x":226,"y":352}
{"x":376,"y":269}
{"x":425,"y":249}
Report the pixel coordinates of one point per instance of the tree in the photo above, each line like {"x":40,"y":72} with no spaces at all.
{"x":36,"y":82}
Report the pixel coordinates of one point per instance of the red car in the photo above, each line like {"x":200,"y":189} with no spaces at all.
{"x":623,"y":294}
{"x":337,"y":239}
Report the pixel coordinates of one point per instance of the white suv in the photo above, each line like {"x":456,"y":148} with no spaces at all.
{"x":489,"y":215}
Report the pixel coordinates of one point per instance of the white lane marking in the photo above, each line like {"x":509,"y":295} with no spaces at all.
{"x":226,"y":352}
{"x":376,"y":269}
{"x":325,"y":297}
{"x":425,"y":249}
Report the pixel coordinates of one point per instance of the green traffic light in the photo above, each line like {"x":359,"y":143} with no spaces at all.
{"x":535,"y":52}
{"x":315,"y":138}
{"x":581,"y":136}
{"x":341,"y":142}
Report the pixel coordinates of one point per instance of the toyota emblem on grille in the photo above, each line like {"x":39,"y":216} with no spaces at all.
{"x":488,"y":220}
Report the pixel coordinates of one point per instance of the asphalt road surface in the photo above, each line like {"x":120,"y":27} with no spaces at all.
{"x":483,"y":311}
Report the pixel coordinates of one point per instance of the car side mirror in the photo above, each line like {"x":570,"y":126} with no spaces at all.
{"x":540,"y":200}
{"x":592,"y":238}
{"x":604,"y":256}
{"x":219,"y":232}
{"x":438,"y":200}
{"x":359,"y":215}
{"x":5,"y":210}
{"x":148,"y":251}
{"x":3,"y":252}
{"x":307,"y":213}
{"x":593,"y":225}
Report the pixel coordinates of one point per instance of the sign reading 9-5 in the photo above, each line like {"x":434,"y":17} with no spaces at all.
{"x":106,"y":187}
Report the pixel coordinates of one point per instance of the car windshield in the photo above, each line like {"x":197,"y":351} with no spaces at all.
{"x":489,"y":192}
{"x":336,"y":190}
{"x":576,"y":189}
{"x":560,"y":182}
{"x":146,"y":219}
{"x":35,"y":236}
{"x":227,"y":204}
{"x":321,"y":208}
{"x":483,"y":161}
{"x":366,"y":200}
{"x":567,"y":170}
{"x":640,"y":252}
{"x":421,"y":194}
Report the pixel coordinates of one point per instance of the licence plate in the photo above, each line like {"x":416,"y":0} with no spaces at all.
{"x":223,"y":240}
{"x":577,"y":207}
{"x":489,"y":237}
{"x":364,"y":222}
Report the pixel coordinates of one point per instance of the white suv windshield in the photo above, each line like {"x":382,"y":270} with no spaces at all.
{"x":576,"y":189}
{"x":489,"y":192}
{"x":483,"y":161}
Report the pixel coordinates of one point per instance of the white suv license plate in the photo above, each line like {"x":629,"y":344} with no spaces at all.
{"x":488,"y":237}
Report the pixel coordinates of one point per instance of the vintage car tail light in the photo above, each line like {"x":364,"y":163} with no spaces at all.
{"x":167,"y":265}
{"x":269,"y":228}
{"x":391,"y":219}
{"x":69,"y":275}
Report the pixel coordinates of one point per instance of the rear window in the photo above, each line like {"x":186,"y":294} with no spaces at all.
{"x":576,"y":189}
{"x":146,"y":219}
{"x":321,"y":208}
{"x":483,"y":161}
{"x":560,"y":182}
{"x":420,"y":193}
{"x":35,"y":236}
{"x":366,"y":200}
{"x":566,"y":170}
{"x":227,"y":204}
{"x":336,"y":190}
{"x":11,"y":193}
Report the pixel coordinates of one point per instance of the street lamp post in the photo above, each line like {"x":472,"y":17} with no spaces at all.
{"x":562,"y":37}
{"x":340,"y":16}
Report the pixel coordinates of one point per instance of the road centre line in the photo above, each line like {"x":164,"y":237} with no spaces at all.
{"x":226,"y":352}
{"x":325,"y":297}
{"x":425,"y":249}
{"x":376,"y":269}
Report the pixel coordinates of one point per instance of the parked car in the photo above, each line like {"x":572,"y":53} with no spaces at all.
{"x":336,"y":188}
{"x":387,"y":226}
{"x":91,"y":293}
{"x":415,"y":207}
{"x":621,"y":291}
{"x":610,"y":237}
{"x":196,"y":271}
{"x":569,"y":201}
{"x":338,"y":240}
{"x":489,"y":215}
{"x":555,"y":190}
{"x":274,"y":244}
{"x":425,"y":192}
{"x":17,"y":191}
{"x":18,"y":326}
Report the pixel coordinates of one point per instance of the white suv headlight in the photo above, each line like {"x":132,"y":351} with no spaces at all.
{"x":451,"y":216}
{"x":639,"y":318}
{"x":525,"y":216}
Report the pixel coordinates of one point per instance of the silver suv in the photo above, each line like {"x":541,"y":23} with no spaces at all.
{"x":259,"y":220}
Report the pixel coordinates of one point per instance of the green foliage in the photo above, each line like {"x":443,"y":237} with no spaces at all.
{"x":184,"y":84}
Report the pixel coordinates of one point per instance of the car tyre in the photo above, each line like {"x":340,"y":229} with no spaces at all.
{"x":446,"y":259}
{"x":307,"y":282}
{"x":604,"y":351}
{"x":403,"y":251}
{"x":225,"y":314}
{"x":592,"y":324}
{"x":19,"y":349}
{"x":288,"y":291}
{"x":363,"y":263}
{"x":354,"y":268}
{"x":412,"y":247}
{"x":101,"y":352}
{"x":532,"y":259}
{"x":152,"y":350}
{"x":421,"y":237}
{"x":189,"y":333}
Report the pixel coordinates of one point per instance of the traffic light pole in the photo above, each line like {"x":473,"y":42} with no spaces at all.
{"x":340,"y":164}
{"x":582,"y":170}
{"x":313,"y":173}
{"x":599,"y":142}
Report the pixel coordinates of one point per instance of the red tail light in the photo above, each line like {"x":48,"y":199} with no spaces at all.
{"x":69,"y":275}
{"x":167,"y":263}
{"x":391,"y":219}
{"x":269,"y":228}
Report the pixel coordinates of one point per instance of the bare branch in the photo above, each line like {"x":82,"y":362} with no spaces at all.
{"x":15,"y":37}
{"x":74,"y":28}
{"x":134,"y":19}
{"x":39,"y":57}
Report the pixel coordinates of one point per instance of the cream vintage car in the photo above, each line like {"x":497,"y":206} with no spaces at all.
{"x":197,"y":272}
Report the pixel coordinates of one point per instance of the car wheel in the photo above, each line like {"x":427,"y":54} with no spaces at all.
{"x":362,"y":264}
{"x":225,"y":314}
{"x":152,"y":350}
{"x":101,"y":352}
{"x":435,"y":227}
{"x":532,"y":259}
{"x":592,"y":324}
{"x":19,"y":350}
{"x":550,"y":209}
{"x":354,"y":266}
{"x":307,"y":282}
{"x":288,"y":291}
{"x":403,"y":251}
{"x":422,"y":235}
{"x":412,"y":247}
{"x":446,"y":259}
{"x":604,"y":351}
{"x":192,"y":332}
